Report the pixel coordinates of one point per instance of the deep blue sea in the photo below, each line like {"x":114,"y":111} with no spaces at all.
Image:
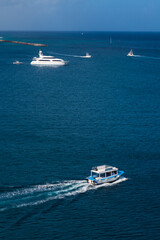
{"x":57,"y":123}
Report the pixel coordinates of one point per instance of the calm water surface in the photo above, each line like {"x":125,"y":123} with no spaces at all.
{"x":56,"y":123}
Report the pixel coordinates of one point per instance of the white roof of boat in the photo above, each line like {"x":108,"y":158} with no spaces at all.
{"x":45,"y":56}
{"x":104,"y":168}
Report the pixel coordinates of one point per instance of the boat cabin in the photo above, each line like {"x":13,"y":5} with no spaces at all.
{"x":103,"y":171}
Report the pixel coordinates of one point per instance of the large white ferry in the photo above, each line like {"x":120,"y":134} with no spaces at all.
{"x":47,"y":60}
{"x":104,"y":174}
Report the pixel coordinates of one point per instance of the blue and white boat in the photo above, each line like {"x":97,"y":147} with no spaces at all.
{"x":104,"y":174}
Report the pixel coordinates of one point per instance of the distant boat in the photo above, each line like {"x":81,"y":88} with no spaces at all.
{"x":88,"y":55}
{"x":130,"y":54}
{"x":17,"y":62}
{"x":104,"y":174}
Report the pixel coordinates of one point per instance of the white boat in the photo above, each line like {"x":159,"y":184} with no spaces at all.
{"x":104,"y":174}
{"x":17,"y":62}
{"x":88,"y":55}
{"x":130,"y":54}
{"x":47,"y":60}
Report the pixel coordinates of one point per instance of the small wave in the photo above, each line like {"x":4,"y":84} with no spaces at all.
{"x":40,"y":194}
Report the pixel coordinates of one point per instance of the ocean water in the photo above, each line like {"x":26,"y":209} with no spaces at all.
{"x":57,"y":123}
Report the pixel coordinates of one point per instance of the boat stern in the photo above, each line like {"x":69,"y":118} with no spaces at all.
{"x":91,"y":180}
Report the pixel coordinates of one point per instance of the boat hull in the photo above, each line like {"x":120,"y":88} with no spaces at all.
{"x":87,"y":56}
{"x":17,"y":63}
{"x":48,"y":64}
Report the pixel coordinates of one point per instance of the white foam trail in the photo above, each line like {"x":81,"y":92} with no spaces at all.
{"x":47,"y":192}
{"x":141,"y":56}
{"x":31,"y":190}
{"x":68,"y":55}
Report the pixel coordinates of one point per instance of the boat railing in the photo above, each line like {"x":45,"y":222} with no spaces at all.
{"x":94,"y":168}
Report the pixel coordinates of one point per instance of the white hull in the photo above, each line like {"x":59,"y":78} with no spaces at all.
{"x":48,"y":63}
{"x":88,"y":56}
{"x":17,"y":62}
{"x":130,"y":54}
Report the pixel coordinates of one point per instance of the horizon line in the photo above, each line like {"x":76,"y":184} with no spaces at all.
{"x":82,"y":31}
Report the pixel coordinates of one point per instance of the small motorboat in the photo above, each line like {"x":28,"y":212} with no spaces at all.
{"x":44,"y":60}
{"x":88,"y":55}
{"x":130,"y":54}
{"x":104,"y":174}
{"x":17,"y":62}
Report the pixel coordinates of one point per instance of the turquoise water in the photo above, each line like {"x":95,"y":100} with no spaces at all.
{"x":57,"y":123}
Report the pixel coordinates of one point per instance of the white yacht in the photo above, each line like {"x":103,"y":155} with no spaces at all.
{"x":47,"y":60}
{"x":104,"y":174}
{"x":130,"y":54}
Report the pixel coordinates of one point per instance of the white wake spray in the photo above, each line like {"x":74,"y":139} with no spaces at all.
{"x":39,"y":194}
{"x":68,"y":55}
{"x":141,"y":56}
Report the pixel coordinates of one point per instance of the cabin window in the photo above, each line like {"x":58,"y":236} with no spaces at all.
{"x":94,"y":174}
{"x":47,"y":57}
{"x":114,"y":172}
{"x":43,"y":60}
{"x":108,"y":174}
{"x":102,"y":175}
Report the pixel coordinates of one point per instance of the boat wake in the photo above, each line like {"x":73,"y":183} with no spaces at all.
{"x":39,"y":194}
{"x":69,"y":55}
{"x":141,"y":56}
